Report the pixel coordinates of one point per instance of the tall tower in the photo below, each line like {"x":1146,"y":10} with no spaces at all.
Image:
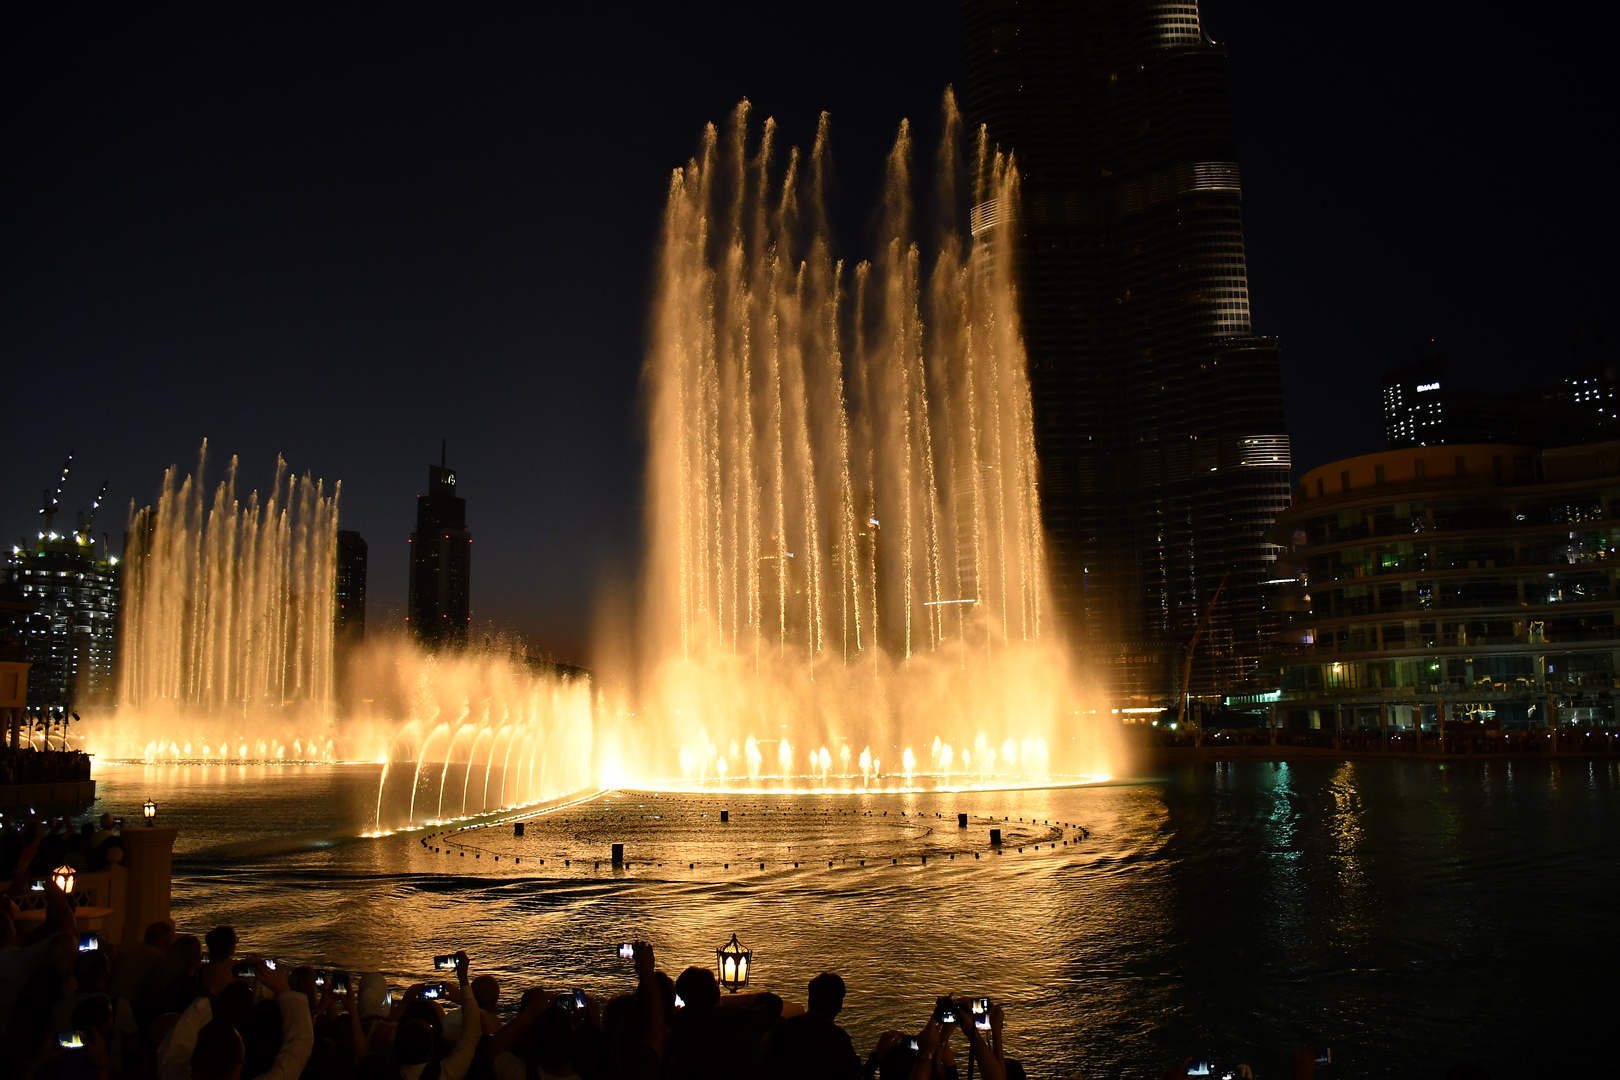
{"x":1159,"y":420}
{"x":351,"y":587}
{"x":439,"y":610}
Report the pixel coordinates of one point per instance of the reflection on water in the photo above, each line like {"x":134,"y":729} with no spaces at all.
{"x":1407,"y":913}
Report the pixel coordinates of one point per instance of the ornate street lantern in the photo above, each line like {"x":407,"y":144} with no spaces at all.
{"x":733,"y":961}
{"x":149,"y":811}
{"x":63,"y":876}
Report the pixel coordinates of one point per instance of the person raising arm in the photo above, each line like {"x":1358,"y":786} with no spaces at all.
{"x":297,"y":1029}
{"x":455,"y":1064}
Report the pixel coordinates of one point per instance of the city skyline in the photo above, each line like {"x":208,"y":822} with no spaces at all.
{"x":267,"y":284}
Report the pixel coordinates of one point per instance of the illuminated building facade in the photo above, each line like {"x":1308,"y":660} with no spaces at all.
{"x":1592,"y":390}
{"x":439,"y":604}
{"x":1422,"y":407}
{"x":1474,"y":582}
{"x":71,"y":636}
{"x":1159,"y":419}
{"x":1414,"y":405}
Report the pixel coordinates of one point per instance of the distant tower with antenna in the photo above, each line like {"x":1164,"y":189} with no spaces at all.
{"x":439,"y":608}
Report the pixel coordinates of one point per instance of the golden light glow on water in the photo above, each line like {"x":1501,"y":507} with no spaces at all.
{"x":846,"y":585}
{"x":457,"y":735}
{"x":855,"y":785}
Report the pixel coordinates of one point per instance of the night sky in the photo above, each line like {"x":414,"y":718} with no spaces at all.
{"x":344,"y":232}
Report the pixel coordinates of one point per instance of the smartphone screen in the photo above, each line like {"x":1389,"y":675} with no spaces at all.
{"x":1200,"y":1067}
{"x":911,"y":1044}
{"x":73,"y":1040}
{"x":579,"y":1000}
{"x":271,"y":964}
{"x":444,"y":963}
{"x":981,"y":1013}
{"x":244,"y":971}
{"x":322,"y":976}
{"x":433,"y":992}
{"x":679,"y":1004}
{"x":89,"y":941}
{"x":947,"y":1016}
{"x":627,"y":951}
{"x":1324,"y":1057}
{"x":340,"y":983}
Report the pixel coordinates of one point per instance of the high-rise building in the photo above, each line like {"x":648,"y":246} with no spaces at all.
{"x":71,"y":636}
{"x":351,"y":586}
{"x":1423,"y":407}
{"x":1468,"y":583}
{"x":1159,"y":420}
{"x":439,"y":608}
{"x":1415,"y":404}
{"x":1592,"y":387}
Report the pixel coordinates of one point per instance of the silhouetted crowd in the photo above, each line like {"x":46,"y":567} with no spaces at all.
{"x":24,"y":765}
{"x":92,"y":846}
{"x":173,"y":1007}
{"x":176,"y":1007}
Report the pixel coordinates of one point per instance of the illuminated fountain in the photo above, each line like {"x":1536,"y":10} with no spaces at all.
{"x":228,"y":658}
{"x":465,"y":733}
{"x":846,"y":561}
{"x":227,"y":622}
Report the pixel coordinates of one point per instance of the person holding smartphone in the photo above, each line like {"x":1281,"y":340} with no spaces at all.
{"x":933,"y":1044}
{"x":91,"y":972}
{"x":415,"y":1040}
{"x":87,"y":1041}
{"x":984,"y":1044}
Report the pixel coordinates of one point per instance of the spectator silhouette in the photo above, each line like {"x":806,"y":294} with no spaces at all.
{"x":216,"y":973}
{"x":811,"y":1044}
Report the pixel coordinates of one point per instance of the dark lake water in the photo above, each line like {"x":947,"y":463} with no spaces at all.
{"x":1408,"y":914}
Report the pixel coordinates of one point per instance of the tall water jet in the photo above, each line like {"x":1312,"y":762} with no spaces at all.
{"x":844,"y":524}
{"x":228,"y":656}
{"x":228,"y":614}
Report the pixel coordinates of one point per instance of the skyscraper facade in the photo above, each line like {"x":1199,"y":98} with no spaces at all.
{"x":1415,"y":404}
{"x":1423,"y":407}
{"x":350,"y":584}
{"x":439,"y":608}
{"x":71,"y":636}
{"x":1159,"y":419}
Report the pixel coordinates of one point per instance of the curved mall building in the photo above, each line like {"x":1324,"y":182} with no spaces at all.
{"x":1474,"y":583}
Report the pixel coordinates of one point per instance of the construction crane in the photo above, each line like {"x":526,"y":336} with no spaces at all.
{"x":50,"y":500}
{"x":1192,"y":646}
{"x":86,"y":524}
